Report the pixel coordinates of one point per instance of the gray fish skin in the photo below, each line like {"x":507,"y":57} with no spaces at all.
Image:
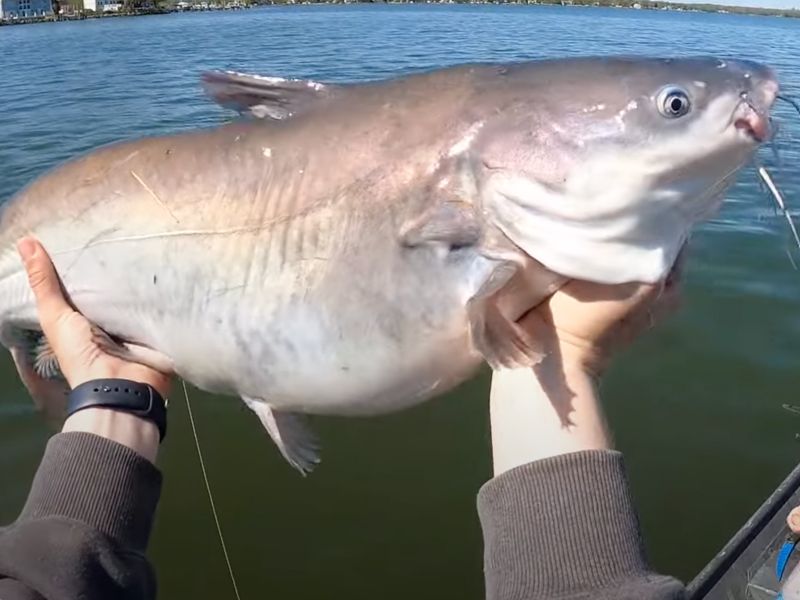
{"x":356,"y":249}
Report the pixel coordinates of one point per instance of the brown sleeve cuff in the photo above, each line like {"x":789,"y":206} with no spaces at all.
{"x":99,"y":482}
{"x":563,"y":527}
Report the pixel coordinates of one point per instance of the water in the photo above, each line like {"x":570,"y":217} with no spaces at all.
{"x":696,"y":407}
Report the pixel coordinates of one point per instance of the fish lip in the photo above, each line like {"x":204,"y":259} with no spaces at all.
{"x":753,"y":113}
{"x":754,"y":123}
{"x":759,"y":91}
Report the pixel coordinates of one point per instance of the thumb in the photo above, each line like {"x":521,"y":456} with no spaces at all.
{"x":44,"y":282}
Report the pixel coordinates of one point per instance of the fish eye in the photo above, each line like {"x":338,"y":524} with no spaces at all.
{"x":673,"y":102}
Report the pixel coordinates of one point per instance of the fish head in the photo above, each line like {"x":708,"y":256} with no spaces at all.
{"x":599,"y":168}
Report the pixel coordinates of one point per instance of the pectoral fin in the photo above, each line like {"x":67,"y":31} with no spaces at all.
{"x":501,"y":341}
{"x":291,"y":433}
{"x":517,"y":285}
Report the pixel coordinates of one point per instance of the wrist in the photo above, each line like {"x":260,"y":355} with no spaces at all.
{"x":130,"y":372}
{"x":122,"y":395}
{"x":538,"y":413}
{"x":139,"y":434}
{"x":578,"y":360}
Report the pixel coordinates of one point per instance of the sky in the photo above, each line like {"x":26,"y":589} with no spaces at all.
{"x":759,"y":3}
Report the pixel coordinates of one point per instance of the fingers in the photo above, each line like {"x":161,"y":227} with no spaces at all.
{"x":44,"y":281}
{"x":662,"y":299}
{"x":793,"y":520}
{"x":651,"y":305}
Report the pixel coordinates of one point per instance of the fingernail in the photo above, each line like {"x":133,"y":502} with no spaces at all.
{"x":26,"y":248}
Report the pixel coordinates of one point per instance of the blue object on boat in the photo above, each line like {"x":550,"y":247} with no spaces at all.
{"x":784,"y":555}
{"x":759,"y":560}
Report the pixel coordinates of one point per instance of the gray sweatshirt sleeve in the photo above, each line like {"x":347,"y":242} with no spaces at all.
{"x":565,"y":527}
{"x":85,"y":526}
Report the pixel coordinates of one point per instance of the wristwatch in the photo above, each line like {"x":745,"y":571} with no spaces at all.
{"x":136,"y":398}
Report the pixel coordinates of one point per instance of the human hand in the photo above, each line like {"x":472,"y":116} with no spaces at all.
{"x":586,"y":323}
{"x":73,"y":341}
{"x":793,"y":520}
{"x":70,"y":334}
{"x":553,"y":408}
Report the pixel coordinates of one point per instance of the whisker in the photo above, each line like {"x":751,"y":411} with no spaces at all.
{"x":779,"y":200}
{"x":791,"y":101}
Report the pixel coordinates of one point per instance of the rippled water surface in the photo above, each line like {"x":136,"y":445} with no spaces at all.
{"x":696,"y":407}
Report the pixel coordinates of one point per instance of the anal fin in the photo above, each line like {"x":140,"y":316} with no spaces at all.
{"x":291,"y":433}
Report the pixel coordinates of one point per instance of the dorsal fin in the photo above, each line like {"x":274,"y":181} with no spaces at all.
{"x":264,"y":97}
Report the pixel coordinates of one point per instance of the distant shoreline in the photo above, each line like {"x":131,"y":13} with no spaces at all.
{"x":79,"y":15}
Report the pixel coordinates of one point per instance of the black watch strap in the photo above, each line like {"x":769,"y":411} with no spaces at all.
{"x":136,"y":398}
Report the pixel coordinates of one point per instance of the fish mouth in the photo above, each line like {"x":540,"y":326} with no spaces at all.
{"x":755,"y":124}
{"x":752,"y":115}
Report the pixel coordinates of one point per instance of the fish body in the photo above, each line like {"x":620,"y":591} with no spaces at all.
{"x":356,"y":249}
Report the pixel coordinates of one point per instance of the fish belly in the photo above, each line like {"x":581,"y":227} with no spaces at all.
{"x":365,"y":334}
{"x":357,"y":333}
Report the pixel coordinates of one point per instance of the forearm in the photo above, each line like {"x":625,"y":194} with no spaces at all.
{"x":558,"y":519}
{"x":140,"y":435}
{"x":86,"y":523}
{"x":545,"y":412}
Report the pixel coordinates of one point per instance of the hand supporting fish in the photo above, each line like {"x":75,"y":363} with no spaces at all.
{"x":356,"y":249}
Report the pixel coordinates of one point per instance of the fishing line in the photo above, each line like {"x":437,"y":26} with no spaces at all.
{"x":766,"y":179}
{"x":764,"y":174}
{"x":208,"y":489}
{"x":791,"y":259}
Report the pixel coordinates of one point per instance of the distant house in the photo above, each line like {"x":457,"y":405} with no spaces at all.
{"x":21,"y":9}
{"x":102,"y":5}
